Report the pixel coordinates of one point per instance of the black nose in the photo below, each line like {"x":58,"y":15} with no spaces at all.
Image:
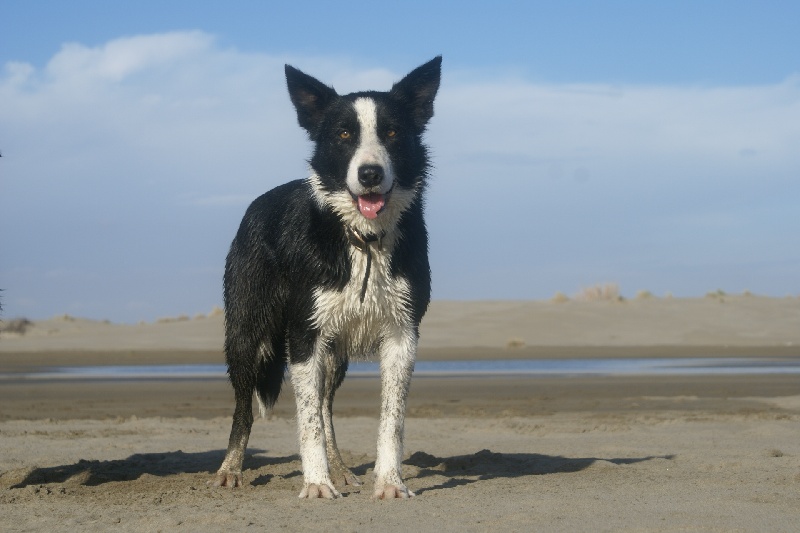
{"x":370,"y":175}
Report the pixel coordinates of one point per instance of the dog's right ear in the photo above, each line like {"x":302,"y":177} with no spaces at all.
{"x":418,"y":89}
{"x":310,"y":97}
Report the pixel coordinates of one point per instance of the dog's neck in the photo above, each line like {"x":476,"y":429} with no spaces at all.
{"x":361,"y":241}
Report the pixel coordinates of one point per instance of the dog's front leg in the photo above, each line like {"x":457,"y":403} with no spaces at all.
{"x":308,"y":391}
{"x":397,"y":363}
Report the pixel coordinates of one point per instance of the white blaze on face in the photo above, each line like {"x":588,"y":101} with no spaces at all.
{"x":370,"y":150}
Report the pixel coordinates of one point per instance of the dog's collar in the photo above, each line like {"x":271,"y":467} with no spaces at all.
{"x":362,"y":242}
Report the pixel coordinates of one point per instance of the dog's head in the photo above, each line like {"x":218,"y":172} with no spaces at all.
{"x":369,"y":163}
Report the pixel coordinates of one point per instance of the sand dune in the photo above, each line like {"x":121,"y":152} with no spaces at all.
{"x":708,"y":321}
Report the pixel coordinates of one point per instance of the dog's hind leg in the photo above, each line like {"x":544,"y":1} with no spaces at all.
{"x":339,"y":472}
{"x":230,"y":473}
{"x":252,"y":368}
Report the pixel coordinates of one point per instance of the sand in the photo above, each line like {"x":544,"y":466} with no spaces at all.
{"x":632,"y":453}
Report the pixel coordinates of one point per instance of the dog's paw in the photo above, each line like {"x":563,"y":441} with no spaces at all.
{"x":391,"y":492}
{"x":228,"y":479}
{"x":312,"y":491}
{"x":349,"y":478}
{"x":344,"y":476}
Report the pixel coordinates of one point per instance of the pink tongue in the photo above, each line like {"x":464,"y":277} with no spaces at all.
{"x":370,"y":204}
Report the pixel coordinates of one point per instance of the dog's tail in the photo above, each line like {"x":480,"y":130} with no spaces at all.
{"x":269,"y":379}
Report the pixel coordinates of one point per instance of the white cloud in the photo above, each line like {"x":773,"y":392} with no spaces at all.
{"x":121,"y":58}
{"x":623,"y":125}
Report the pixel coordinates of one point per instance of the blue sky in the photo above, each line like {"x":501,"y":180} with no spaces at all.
{"x":650,"y":144}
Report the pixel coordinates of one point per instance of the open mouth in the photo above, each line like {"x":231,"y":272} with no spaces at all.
{"x":370,"y":205}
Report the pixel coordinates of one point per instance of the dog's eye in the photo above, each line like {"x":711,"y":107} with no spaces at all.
{"x":391,"y":133}
{"x":344,"y":134}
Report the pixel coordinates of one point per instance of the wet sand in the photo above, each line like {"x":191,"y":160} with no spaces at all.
{"x":430,"y":396}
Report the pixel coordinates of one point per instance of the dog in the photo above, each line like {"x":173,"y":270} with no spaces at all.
{"x":331,"y":268}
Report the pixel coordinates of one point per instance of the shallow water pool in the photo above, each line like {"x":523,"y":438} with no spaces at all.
{"x":517,"y":367}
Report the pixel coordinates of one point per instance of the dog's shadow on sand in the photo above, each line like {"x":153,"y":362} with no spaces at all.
{"x":458,"y":470}
{"x":486,"y":465}
{"x":93,"y":473}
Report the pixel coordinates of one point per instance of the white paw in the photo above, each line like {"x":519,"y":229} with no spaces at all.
{"x":391,"y":492}
{"x":313,"y":491}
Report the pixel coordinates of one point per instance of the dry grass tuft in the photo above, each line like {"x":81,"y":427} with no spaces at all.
{"x":17,"y":325}
{"x":605,"y":292}
{"x":719,"y":293}
{"x":559,"y":298}
{"x":215,"y":311}
{"x":515,"y":343}
{"x":169,"y":320}
{"x":644,"y":295}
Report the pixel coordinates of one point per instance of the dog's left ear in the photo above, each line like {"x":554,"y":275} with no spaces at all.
{"x":418,"y":89}
{"x":310,"y":97}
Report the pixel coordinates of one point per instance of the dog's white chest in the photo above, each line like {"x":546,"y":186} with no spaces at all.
{"x":360,"y":324}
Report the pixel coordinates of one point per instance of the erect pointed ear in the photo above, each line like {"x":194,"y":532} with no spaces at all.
{"x":418,"y":89}
{"x":310,"y":98}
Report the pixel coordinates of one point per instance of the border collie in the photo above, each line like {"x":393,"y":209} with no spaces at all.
{"x":334,"y":267}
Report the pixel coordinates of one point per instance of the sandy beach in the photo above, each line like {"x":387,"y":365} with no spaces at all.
{"x":525,"y":453}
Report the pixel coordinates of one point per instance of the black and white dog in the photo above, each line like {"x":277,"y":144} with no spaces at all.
{"x":334,"y":267}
